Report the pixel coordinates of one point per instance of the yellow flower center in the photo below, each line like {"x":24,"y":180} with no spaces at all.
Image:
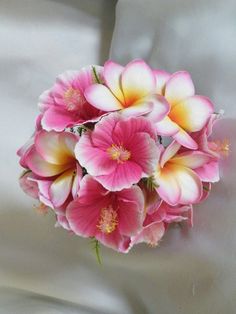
{"x":73,"y":99}
{"x":108,"y":220}
{"x":118,"y":153}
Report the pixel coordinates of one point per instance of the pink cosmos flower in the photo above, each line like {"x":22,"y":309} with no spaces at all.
{"x":118,"y":152}
{"x":188,"y":112}
{"x":55,"y":169}
{"x":64,"y":105}
{"x":130,"y":89}
{"x":110,"y":217}
{"x":179,"y":176}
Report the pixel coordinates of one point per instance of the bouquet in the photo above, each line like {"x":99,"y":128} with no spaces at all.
{"x":121,"y":153}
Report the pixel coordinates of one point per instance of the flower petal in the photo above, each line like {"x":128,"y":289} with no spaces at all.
{"x":101,"y":97}
{"x":150,"y":234}
{"x":61,"y":188}
{"x":191,"y":160}
{"x":168,"y":186}
{"x":112,"y":76}
{"x":185,"y":139}
{"x":56,"y":148}
{"x":160,"y":108}
{"x":95,"y":160}
{"x":167,"y":127}
{"x":189,"y":183}
{"x":137,"y":81}
{"x":179,"y":87}
{"x":41,"y":167}
{"x":192,"y":113}
{"x":169,"y":152}
{"x":161,"y":78}
{"x":122,"y":177}
{"x":209,"y":172}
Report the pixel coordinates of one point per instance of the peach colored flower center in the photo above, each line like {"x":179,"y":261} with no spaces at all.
{"x":108,"y":220}
{"x":73,"y":99}
{"x":221,"y":147}
{"x":118,"y":153}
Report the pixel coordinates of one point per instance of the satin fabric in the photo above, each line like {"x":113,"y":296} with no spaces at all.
{"x":47,"y":270}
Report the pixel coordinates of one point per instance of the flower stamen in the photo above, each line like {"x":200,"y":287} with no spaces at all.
{"x":73,"y":99}
{"x":118,"y":153}
{"x":108,"y":220}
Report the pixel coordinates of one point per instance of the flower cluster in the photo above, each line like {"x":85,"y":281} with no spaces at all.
{"x":120,"y":153}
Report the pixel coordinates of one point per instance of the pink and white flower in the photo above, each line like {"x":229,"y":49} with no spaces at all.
{"x":55,"y":168}
{"x":110,"y":217}
{"x":64,"y":105}
{"x":188,"y":112}
{"x":118,"y":152}
{"x":129,"y":89}
{"x":179,"y":176}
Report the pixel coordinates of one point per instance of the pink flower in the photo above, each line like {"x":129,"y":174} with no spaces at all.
{"x":118,"y":152}
{"x":64,"y":105}
{"x":130,"y":89}
{"x":156,"y":223}
{"x":179,"y":176}
{"x":110,"y":217}
{"x":29,"y":186}
{"x":188,"y":112}
{"x":55,"y":169}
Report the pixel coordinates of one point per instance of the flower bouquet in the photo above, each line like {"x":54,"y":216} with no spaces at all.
{"x":121,"y":153}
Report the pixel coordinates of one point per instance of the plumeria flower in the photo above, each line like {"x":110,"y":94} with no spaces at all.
{"x":188,"y":112}
{"x":64,"y":105}
{"x":129,"y":89}
{"x":179,"y":176}
{"x":110,"y":217}
{"x":118,"y":152}
{"x":55,"y":168}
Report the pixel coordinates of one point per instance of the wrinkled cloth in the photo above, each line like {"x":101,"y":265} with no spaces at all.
{"x":47,"y":270}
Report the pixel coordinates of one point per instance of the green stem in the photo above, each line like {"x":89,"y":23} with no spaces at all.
{"x":96,"y":76}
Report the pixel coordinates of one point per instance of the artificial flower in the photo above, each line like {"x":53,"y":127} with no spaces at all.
{"x":110,"y":217}
{"x":118,"y":152}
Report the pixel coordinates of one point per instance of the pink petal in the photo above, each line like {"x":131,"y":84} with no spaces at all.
{"x":122,"y":177}
{"x":209,"y":172}
{"x":144,"y":152}
{"x":192,"y":113}
{"x":134,"y":194}
{"x":150,"y":234}
{"x":112,"y":76}
{"x":57,"y":118}
{"x":29,"y":186}
{"x":179,"y":87}
{"x":83,"y":218}
{"x":95,"y":160}
{"x":160,"y":108}
{"x":115,"y":240}
{"x":185,"y":139}
{"x":161,"y":78}
{"x":76,"y":181}
{"x":41,"y":167}
{"x":61,"y":188}
{"x":137,"y":81}
{"x":125,"y":129}
{"x":101,"y":97}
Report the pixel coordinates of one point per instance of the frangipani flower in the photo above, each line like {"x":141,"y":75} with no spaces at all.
{"x":118,"y":152}
{"x":55,"y":169}
{"x":130,"y":89}
{"x":188,"y":112}
{"x":64,"y":105}
{"x":179,"y":176}
{"x":110,"y":217}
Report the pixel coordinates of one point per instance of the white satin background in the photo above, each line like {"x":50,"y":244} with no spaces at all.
{"x":46,"y":270}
